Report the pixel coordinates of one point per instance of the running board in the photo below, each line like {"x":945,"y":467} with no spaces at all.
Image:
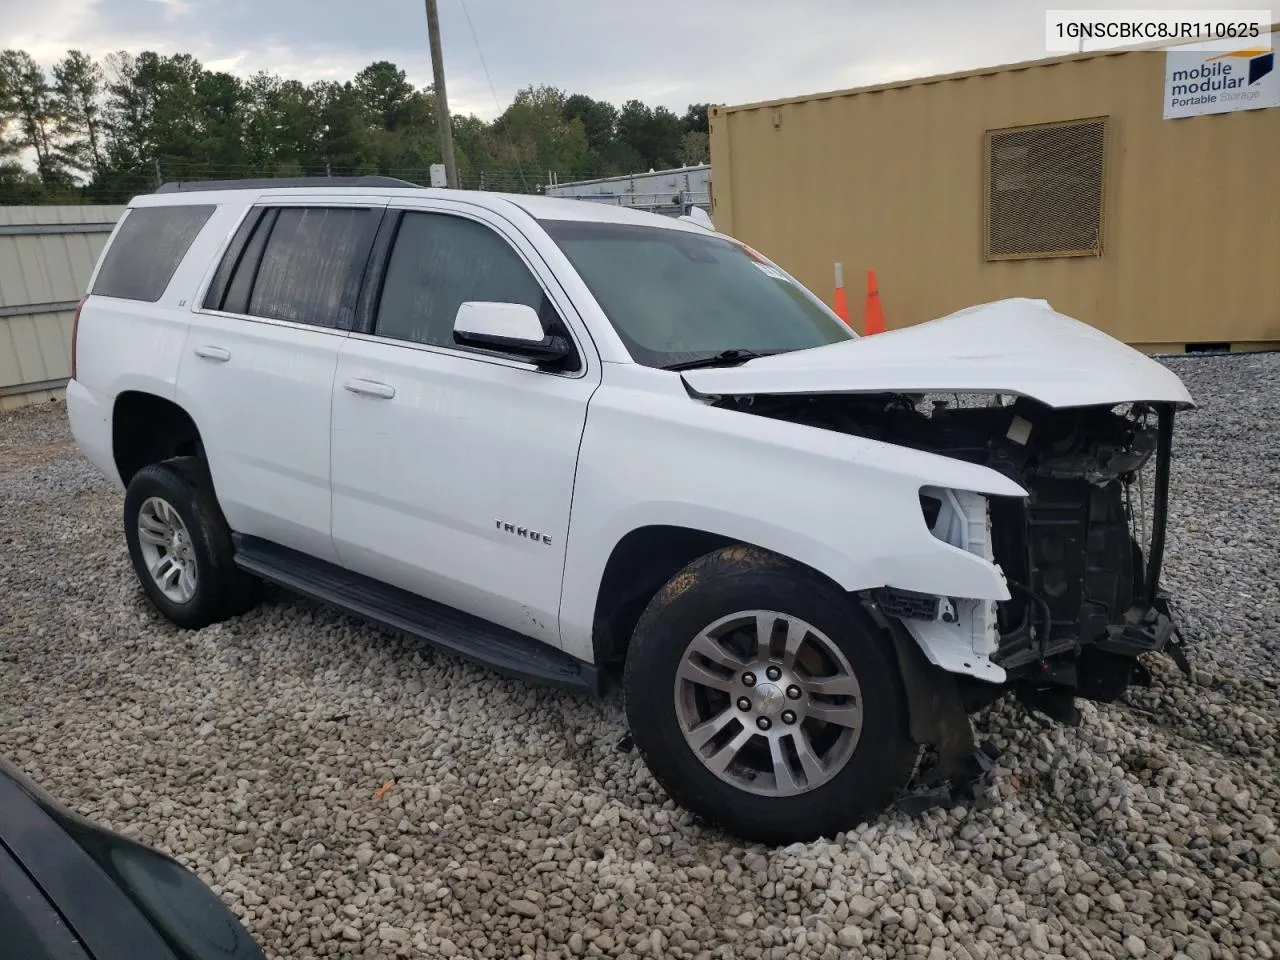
{"x":509,"y":653}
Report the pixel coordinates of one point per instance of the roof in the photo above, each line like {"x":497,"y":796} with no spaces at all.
{"x":1155,"y":47}
{"x":539,"y":207}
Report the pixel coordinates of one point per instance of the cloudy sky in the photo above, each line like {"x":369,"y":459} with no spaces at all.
{"x":670,"y":52}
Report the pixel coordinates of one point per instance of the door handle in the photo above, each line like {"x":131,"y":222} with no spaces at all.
{"x":370,"y":388}
{"x":217,"y":354}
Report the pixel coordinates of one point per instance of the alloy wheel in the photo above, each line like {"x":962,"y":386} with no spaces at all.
{"x":768,"y":703}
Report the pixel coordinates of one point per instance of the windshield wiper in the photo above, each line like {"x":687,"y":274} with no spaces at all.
{"x":722,"y":359}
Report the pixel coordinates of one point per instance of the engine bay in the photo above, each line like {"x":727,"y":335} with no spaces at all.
{"x":1081,"y":554}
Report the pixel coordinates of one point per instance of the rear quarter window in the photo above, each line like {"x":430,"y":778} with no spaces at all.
{"x":147,"y":249}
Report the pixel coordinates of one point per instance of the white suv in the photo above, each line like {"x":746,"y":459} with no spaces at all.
{"x":573,"y":441}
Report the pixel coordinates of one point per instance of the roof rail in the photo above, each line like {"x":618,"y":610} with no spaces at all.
{"x":269,"y":183}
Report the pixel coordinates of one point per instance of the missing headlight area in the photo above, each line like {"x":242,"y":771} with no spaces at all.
{"x":1081,"y":554}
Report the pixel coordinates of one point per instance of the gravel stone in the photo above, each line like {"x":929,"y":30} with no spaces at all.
{"x":862,"y":907}
{"x":850,"y":937}
{"x":1039,"y":937}
{"x":526,"y":909}
{"x":253,"y":750}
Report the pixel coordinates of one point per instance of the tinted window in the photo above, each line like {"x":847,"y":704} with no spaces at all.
{"x":439,"y":262}
{"x":675,"y":296}
{"x":312,"y":265}
{"x":240,"y":282}
{"x":252,"y":227}
{"x":147,"y":250}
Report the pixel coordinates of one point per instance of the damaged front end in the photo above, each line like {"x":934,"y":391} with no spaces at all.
{"x":1081,"y":554}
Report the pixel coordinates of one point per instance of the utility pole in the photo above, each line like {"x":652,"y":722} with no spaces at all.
{"x":442,"y":98}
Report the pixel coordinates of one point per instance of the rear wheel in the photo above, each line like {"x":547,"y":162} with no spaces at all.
{"x":764,"y":700}
{"x":181,"y":547}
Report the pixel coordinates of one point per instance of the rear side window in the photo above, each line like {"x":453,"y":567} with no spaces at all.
{"x":311,"y":265}
{"x":147,"y":249}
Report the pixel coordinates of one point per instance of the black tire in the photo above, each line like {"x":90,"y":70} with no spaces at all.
{"x":222,"y":590}
{"x":737,"y":579}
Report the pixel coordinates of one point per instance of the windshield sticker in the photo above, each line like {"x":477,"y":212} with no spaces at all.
{"x":771,"y":272}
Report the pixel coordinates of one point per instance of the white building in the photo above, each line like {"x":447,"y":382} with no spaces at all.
{"x":672,"y":192}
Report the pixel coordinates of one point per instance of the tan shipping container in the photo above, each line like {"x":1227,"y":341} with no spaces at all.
{"x":1176,"y":241}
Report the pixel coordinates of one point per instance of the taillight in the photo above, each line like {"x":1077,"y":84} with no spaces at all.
{"x":75,"y":329}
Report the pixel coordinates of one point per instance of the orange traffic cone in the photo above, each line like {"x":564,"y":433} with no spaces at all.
{"x":841,"y":304}
{"x":873,"y":321}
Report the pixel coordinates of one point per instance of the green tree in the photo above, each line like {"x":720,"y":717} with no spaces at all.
{"x":665,"y":135}
{"x":654,"y":134}
{"x":152,"y":111}
{"x":299,"y":132}
{"x":695,"y":118}
{"x":634,"y":120}
{"x":221,"y":103}
{"x":476,"y":154}
{"x":534,"y":133}
{"x":385,"y":94}
{"x":8,"y":113}
{"x":78,"y":85}
{"x":263,"y":121}
{"x":695,"y":148}
{"x":130,"y":119}
{"x":19,"y":185}
{"x":125,"y":112}
{"x":346,"y":146}
{"x":599,"y":120}
{"x":282,"y":126}
{"x":31,"y":100}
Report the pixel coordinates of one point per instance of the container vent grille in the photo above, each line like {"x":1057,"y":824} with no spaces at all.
{"x":1044,"y":190}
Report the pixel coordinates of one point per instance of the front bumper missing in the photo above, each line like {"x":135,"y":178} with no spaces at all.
{"x":934,"y":648}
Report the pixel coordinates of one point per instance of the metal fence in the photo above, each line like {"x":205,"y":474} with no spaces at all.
{"x":46,"y":256}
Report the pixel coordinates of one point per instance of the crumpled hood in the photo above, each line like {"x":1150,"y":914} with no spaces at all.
{"x":1016,"y":346}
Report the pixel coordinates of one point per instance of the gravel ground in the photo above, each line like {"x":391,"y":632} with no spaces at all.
{"x":255,"y":751}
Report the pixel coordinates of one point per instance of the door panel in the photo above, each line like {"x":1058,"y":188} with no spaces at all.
{"x":458,"y":487}
{"x":263,"y":414}
{"x":453,"y":469}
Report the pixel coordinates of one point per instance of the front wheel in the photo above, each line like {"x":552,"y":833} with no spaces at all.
{"x":764,"y":700}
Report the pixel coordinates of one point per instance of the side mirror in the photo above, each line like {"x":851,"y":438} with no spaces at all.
{"x":509,"y":327}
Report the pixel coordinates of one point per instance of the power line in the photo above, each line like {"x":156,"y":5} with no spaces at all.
{"x":496,"y":102}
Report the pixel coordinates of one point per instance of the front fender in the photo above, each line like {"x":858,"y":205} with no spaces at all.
{"x":846,"y":506}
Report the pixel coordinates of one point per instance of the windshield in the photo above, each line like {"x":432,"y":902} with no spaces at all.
{"x":676,"y":296}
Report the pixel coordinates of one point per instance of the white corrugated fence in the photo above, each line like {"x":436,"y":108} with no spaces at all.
{"x":46,"y":256}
